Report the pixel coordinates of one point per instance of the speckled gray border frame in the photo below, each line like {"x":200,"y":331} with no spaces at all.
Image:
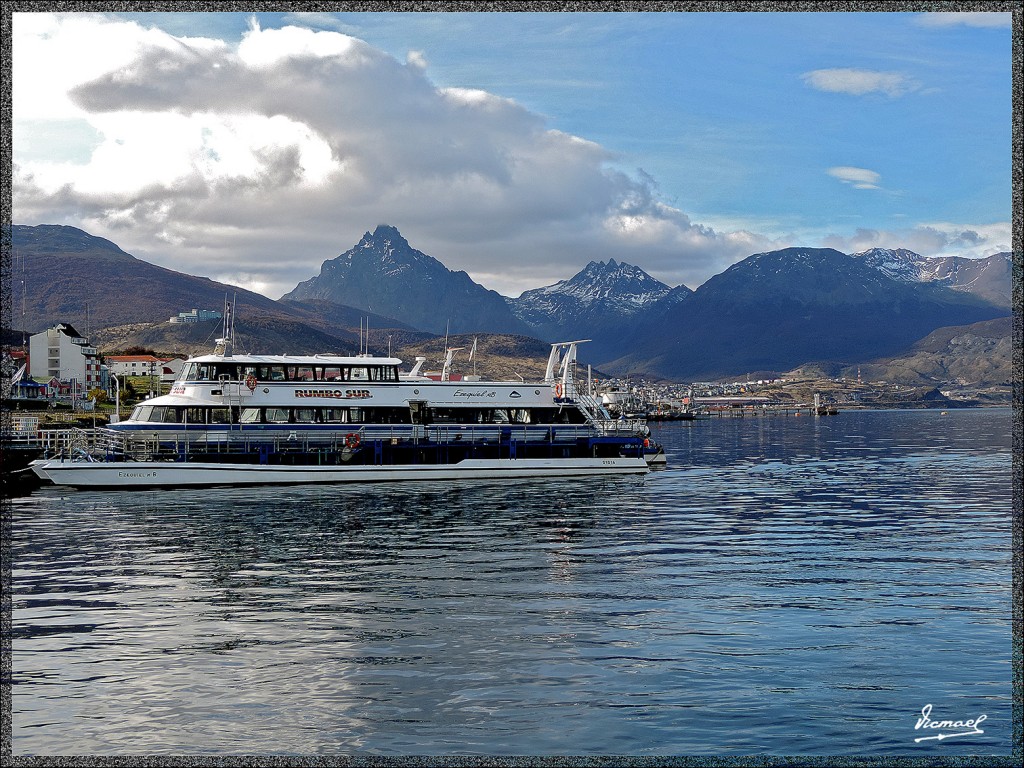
{"x":1016,"y":6}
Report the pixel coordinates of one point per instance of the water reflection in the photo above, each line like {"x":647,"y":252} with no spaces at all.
{"x":778,"y":573}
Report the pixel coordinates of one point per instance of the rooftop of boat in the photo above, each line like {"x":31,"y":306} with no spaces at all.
{"x":328,"y":359}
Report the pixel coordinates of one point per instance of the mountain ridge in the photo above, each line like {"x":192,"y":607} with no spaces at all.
{"x":772,"y":311}
{"x":988,"y":277}
{"x":779,"y":309}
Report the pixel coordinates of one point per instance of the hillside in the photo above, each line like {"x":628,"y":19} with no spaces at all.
{"x":503,"y":357}
{"x":68,"y":273}
{"x":977,"y":355}
{"x":267,"y":335}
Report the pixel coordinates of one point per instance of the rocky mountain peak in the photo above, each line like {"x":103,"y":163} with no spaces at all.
{"x":385,"y":237}
{"x":612,"y":280}
{"x":383,"y":274}
{"x":603,"y":296}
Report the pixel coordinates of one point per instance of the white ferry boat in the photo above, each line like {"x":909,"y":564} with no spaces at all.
{"x":262,"y":419}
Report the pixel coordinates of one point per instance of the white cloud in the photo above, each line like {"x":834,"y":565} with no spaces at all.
{"x":255,"y":163}
{"x":858,"y":82}
{"x":860,"y":178}
{"x":265,"y":159}
{"x":416,"y":59}
{"x":930,"y":239}
{"x":966,"y":19}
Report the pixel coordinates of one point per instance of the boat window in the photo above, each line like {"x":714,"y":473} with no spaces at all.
{"x":305,"y":415}
{"x":355,"y":414}
{"x":304,"y":373}
{"x":382,"y":373}
{"x":172,"y":415}
{"x":142,"y":413}
{"x":195,"y":415}
{"x":443,"y":415}
{"x":250,"y":416}
{"x":220,"y":416}
{"x":500,"y":417}
{"x":359,"y":374}
{"x":276,"y":373}
{"x":334,"y":415}
{"x":277,"y":415}
{"x":389,"y":415}
{"x":545,"y":415}
{"x":157,"y":414}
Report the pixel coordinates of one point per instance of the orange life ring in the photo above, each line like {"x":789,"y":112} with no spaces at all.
{"x":352,"y":440}
{"x":250,"y":382}
{"x":558,"y":390}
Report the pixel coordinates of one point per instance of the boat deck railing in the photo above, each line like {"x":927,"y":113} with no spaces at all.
{"x":620,"y":427}
{"x":105,"y":443}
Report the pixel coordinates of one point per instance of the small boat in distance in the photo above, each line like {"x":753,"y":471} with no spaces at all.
{"x":265,"y":419}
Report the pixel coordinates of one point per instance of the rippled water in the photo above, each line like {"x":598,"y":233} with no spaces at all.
{"x":788,"y":586}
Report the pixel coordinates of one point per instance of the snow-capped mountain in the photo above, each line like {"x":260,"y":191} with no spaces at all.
{"x":989,"y":278}
{"x":603,"y":295}
{"x":598,"y":280}
{"x":382,"y":273}
{"x":772,"y":309}
{"x":899,"y":263}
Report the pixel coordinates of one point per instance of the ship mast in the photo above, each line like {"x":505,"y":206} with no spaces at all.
{"x":225,"y":344}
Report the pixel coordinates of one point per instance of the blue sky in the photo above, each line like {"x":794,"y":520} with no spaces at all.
{"x":680,"y":142}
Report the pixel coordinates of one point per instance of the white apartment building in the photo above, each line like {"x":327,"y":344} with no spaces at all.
{"x":62,"y":353}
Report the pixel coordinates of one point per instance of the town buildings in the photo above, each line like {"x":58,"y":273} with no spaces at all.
{"x":164,"y":368}
{"x":196,"y":316}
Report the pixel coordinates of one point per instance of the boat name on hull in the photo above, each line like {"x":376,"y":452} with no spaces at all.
{"x":348,"y":394}
{"x":476,"y":393}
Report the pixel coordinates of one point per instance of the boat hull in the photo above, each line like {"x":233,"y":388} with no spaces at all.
{"x":141,"y":474}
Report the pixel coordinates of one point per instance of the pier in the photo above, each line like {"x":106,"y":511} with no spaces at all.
{"x":740,"y":407}
{"x":769,"y":410}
